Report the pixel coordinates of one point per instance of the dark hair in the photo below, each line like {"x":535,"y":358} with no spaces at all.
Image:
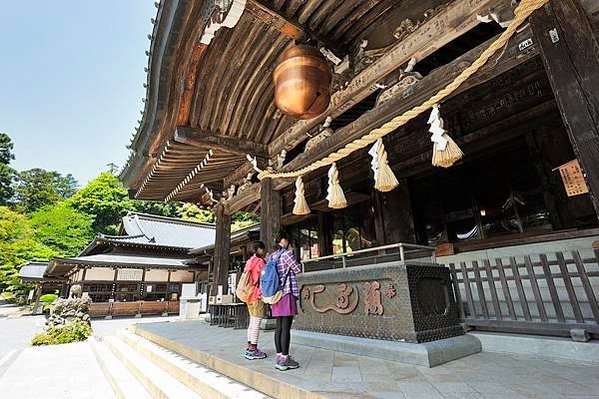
{"x":281,"y":235}
{"x":258,"y":245}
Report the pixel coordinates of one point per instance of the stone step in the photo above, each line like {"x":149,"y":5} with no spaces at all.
{"x":123,"y":383}
{"x":206,"y":382}
{"x":158,"y":383}
{"x":260,"y":376}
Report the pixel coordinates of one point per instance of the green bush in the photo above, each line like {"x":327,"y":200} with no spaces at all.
{"x":71,"y":332}
{"x":48,"y":298}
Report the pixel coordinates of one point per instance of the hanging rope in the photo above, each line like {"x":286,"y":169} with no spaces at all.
{"x":335,"y":196}
{"x":445,"y":151}
{"x":301,"y":205}
{"x":522,"y":12}
{"x":384,"y":178}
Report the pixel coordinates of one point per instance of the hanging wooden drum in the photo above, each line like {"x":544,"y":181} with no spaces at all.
{"x":302,"y":82}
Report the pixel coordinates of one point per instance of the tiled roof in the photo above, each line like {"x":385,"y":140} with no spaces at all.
{"x":141,"y":228}
{"x":234,"y":236}
{"x":33,"y":270}
{"x":36,"y":271}
{"x":123,"y":260}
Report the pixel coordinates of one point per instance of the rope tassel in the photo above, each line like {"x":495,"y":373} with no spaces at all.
{"x":445,"y":151}
{"x":301,"y":205}
{"x":335,"y":195}
{"x":384,"y":178}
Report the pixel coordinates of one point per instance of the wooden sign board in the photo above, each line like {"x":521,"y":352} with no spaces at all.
{"x":130,"y":274}
{"x":573,"y":178}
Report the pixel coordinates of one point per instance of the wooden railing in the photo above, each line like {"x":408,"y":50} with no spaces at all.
{"x":530,"y":294}
{"x":136,"y":308}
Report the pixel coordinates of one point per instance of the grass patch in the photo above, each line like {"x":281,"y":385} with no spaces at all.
{"x":48,"y":298}
{"x":74,"y":331}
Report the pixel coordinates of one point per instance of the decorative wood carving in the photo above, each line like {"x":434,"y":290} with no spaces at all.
{"x":440,"y":29}
{"x":226,"y":14}
{"x":372,"y":300}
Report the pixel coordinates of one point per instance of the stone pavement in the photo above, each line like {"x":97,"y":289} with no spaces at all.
{"x":338,"y":375}
{"x":55,"y":372}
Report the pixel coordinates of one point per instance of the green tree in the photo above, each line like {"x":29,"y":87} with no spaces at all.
{"x":64,"y":229}
{"x":17,"y":246}
{"x":241,"y":220}
{"x":193,"y":212}
{"x":38,"y":187}
{"x":157,"y":208}
{"x":104,"y":198}
{"x":7,"y":174}
{"x":6,"y":147}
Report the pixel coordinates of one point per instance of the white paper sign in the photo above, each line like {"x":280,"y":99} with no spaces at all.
{"x":130,"y":274}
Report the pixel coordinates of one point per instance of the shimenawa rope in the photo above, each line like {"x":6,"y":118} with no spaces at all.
{"x":521,"y":13}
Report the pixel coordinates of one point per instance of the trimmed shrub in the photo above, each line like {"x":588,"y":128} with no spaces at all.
{"x":48,"y":298}
{"x":74,"y":331}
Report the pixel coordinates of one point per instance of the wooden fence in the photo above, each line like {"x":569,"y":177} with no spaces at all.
{"x":529,"y":294}
{"x":136,"y":308}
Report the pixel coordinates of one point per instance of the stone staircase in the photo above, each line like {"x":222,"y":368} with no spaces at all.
{"x":137,"y":368}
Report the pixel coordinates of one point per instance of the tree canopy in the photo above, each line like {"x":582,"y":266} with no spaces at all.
{"x":7,"y":174}
{"x":38,"y":187}
{"x":63,"y":229}
{"x":104,"y":198}
{"x":17,"y":246}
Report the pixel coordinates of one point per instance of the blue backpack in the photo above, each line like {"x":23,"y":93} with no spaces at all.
{"x":270,"y":284}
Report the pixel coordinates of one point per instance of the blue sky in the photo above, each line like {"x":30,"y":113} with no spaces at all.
{"x":71,"y":75}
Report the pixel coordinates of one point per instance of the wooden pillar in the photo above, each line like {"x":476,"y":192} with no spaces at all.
{"x":38,"y":294}
{"x":221,"y":249}
{"x":396,"y":211}
{"x":270,"y":212}
{"x":570,"y":53}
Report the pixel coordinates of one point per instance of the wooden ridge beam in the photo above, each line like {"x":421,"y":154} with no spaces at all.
{"x":450,"y":23}
{"x":416,"y":94}
{"x":196,"y":137}
{"x":290,"y":27}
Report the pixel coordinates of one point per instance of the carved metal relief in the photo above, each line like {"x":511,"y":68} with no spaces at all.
{"x":372,"y":300}
{"x":390,"y":291}
{"x":346,"y":298}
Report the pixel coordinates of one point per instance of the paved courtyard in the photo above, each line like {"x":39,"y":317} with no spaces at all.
{"x":340,"y":375}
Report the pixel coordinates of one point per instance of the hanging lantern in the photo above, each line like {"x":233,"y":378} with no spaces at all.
{"x":302,"y":81}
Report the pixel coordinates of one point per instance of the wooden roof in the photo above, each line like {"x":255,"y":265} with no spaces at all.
{"x":219,"y":98}
{"x":210,"y":95}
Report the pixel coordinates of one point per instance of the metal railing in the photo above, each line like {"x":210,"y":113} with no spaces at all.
{"x":404,"y":251}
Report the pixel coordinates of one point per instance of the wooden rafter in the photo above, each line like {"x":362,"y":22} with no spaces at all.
{"x":290,"y":27}
{"x":420,"y":92}
{"x":196,"y":137}
{"x":437,"y":79}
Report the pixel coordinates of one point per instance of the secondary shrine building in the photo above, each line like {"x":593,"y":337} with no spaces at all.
{"x":138,"y":271}
{"x":515,"y":219}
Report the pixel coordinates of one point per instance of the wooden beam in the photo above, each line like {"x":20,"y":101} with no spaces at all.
{"x":416,"y":94}
{"x":196,"y":137}
{"x":570,"y":53}
{"x":270,"y":214}
{"x":290,"y":27}
{"x":221,"y":249}
{"x":243,"y":199}
{"x":450,"y":23}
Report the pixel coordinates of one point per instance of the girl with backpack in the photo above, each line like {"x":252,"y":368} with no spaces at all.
{"x":286,"y":307}
{"x":256,"y":307}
